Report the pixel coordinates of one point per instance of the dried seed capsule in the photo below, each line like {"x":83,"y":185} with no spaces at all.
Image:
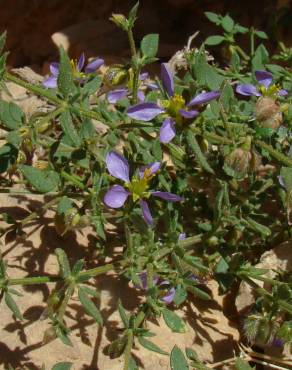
{"x":268,"y":112}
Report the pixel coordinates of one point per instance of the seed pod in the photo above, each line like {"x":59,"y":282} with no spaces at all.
{"x":268,"y":112}
{"x":239,"y":160}
{"x":115,"y":76}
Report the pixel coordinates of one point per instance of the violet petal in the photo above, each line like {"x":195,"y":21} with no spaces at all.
{"x":204,"y":97}
{"x":182,"y":236}
{"x":54,"y":68}
{"x":144,"y":111}
{"x":168,"y":298}
{"x":167,"y":131}
{"x":152,"y":86}
{"x":146,"y":212}
{"x":116,"y":196}
{"x":141,"y":95}
{"x":94,"y":65}
{"x":116,"y":95}
{"x":143,"y":279}
{"x":143,"y":76}
{"x":167,"y":196}
{"x":51,"y":82}
{"x":80,"y":63}
{"x":117,"y":166}
{"x":167,"y":79}
{"x":282,"y":92}
{"x":247,"y":90}
{"x":188,"y":113}
{"x":264,"y":78}
{"x":154,"y":167}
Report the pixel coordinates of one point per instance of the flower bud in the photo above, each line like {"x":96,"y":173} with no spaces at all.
{"x":115,"y":75}
{"x":120,"y":20}
{"x":260,"y":330}
{"x":268,"y":112}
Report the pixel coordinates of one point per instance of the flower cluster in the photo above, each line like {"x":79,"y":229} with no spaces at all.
{"x":137,"y":187}
{"x":174,"y":108}
{"x":80,"y":71}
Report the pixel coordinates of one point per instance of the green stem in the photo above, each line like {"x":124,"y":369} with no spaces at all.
{"x":37,"y":90}
{"x":136,"y":68}
{"x":251,"y":42}
{"x":132,"y":42}
{"x":274,"y":153}
{"x":99,"y":270}
{"x":34,"y":215}
{"x":128,"y":349}
{"x":68,"y":295}
{"x":73,"y":179}
{"x":241,"y":52}
{"x":33,"y":280}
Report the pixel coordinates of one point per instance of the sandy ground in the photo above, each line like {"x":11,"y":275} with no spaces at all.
{"x":209,"y":331}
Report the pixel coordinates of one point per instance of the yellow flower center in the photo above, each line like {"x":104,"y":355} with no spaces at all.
{"x":272,"y":90}
{"x":139,"y":187}
{"x":173,"y":106}
{"x":76,"y":72}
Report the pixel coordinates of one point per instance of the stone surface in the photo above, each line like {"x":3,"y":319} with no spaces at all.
{"x":274,"y":260}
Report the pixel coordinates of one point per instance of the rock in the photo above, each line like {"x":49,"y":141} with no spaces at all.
{"x":274,"y":260}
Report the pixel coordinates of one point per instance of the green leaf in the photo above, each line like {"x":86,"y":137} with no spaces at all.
{"x":43,"y":181}
{"x":10,"y":302}
{"x":78,"y":266}
{"x":116,"y":348}
{"x":286,"y":173}
{"x":62,"y":366}
{"x":123,"y":314}
{"x":64,"y":204}
{"x":92,"y":86}
{"x":132,"y":364}
{"x":261,"y":57}
{"x":11,"y":116}
{"x":178,"y":360}
{"x":133,"y":14}
{"x":242,"y":365}
{"x":62,"y":334}
{"x":65,"y":76}
{"x":63,"y":262}
{"x":2,"y":41}
{"x":227,"y":23}
{"x":149,"y":45}
{"x":180,"y":295}
{"x":173,"y":321}
{"x":69,"y":129}
{"x":213,"y":17}
{"x":262,"y":229}
{"x":8,"y":156}
{"x":199,"y":293}
{"x":261,"y":35}
{"x":214,"y":40}
{"x":227,"y":97}
{"x":151,"y":346}
{"x":90,"y":291}
{"x":89,"y":306}
{"x":205,"y":74}
{"x":194,"y":146}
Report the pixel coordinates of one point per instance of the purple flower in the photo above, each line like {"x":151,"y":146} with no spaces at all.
{"x":77,"y":68}
{"x":266,"y":88}
{"x":175,"y":107}
{"x":168,"y":291}
{"x":115,"y":95}
{"x":138,"y":187}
